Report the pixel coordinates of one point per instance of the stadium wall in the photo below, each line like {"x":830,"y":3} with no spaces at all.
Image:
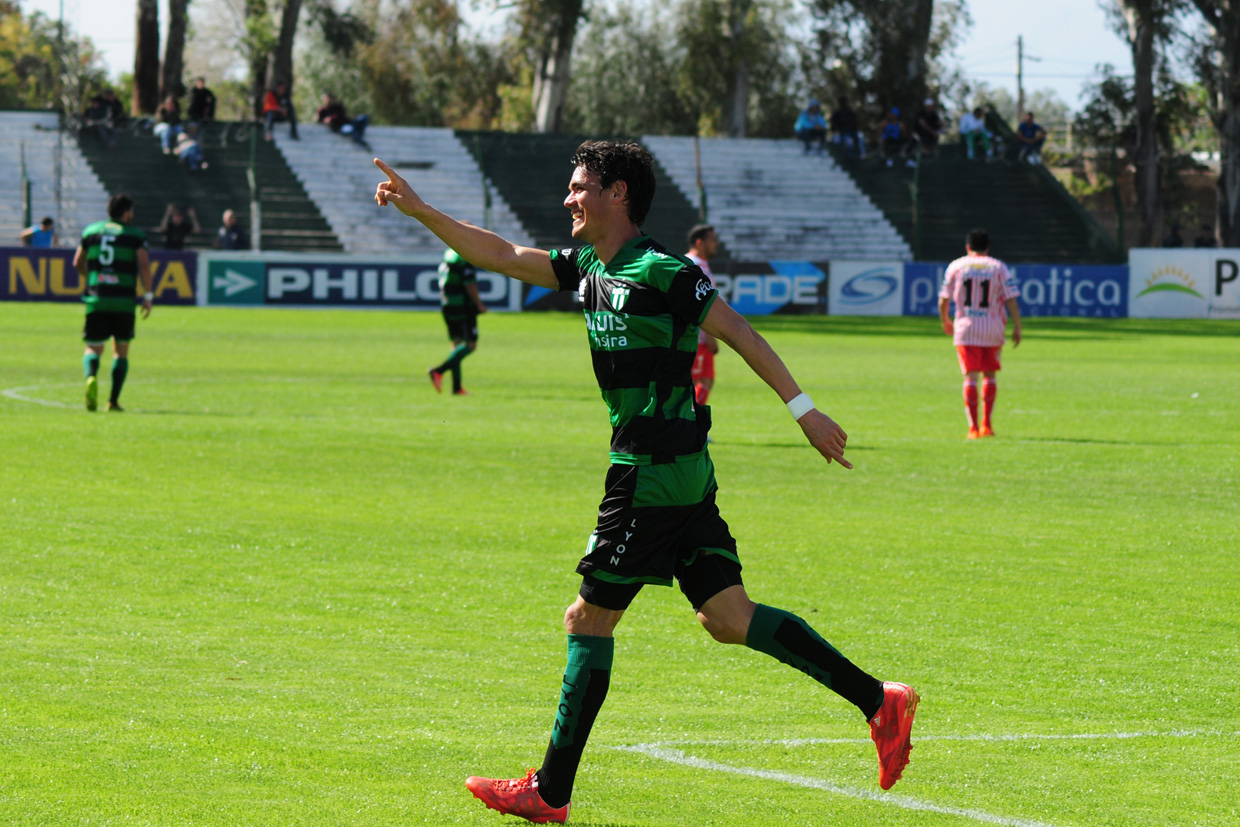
{"x":1156,"y":283}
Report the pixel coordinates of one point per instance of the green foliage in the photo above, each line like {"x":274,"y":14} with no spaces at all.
{"x":294,"y":586}
{"x":30,"y":64}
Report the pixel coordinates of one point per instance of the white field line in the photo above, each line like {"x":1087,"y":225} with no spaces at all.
{"x":666,"y":751}
{"x":18,"y":394}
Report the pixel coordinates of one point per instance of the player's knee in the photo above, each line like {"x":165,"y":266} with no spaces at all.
{"x":723,"y":628}
{"x":471,"y":346}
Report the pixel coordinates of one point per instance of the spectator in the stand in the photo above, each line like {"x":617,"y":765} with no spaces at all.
{"x":189,"y":148}
{"x":178,"y":224}
{"x":844,"y":129}
{"x":811,"y":126}
{"x":973,"y":130}
{"x":231,"y":236}
{"x":44,"y":235}
{"x":1030,"y":136}
{"x":168,"y":123}
{"x":278,"y":106}
{"x":106,"y":115}
{"x":929,"y":127}
{"x":1174,"y":239}
{"x":893,"y":138}
{"x":336,"y":117}
{"x":201,"y":108}
{"x":1205,"y":239}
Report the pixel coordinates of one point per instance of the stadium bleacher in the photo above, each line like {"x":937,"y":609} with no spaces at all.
{"x":341,"y":178}
{"x":769,"y":201}
{"x":82,"y":198}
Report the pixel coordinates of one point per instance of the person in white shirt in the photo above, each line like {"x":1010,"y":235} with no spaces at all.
{"x":973,"y":130}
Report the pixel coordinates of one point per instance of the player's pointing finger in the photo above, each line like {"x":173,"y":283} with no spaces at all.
{"x":388,"y":171}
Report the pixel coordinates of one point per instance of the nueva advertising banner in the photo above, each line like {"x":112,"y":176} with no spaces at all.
{"x":338,"y":280}
{"x":866,"y":288}
{"x":1045,"y":289}
{"x":47,"y":275}
{"x":1184,"y":284}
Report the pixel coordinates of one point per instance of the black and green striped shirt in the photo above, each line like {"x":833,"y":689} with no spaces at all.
{"x":112,"y":266}
{"x":454,"y":274}
{"x":642,"y":314}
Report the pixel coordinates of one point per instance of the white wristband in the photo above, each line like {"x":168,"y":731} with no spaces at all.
{"x":148,"y":296}
{"x":800,"y":405}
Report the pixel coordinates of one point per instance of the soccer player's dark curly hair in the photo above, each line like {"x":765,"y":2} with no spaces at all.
{"x":118,"y":205}
{"x":625,"y":161}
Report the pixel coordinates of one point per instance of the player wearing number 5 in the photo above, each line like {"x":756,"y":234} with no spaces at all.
{"x":984,"y":292}
{"x":113,"y":261}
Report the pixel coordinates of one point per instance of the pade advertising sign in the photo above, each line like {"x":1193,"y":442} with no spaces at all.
{"x":1184,"y":284}
{"x":1096,"y":291}
{"x":339,"y":281}
{"x":47,"y":275}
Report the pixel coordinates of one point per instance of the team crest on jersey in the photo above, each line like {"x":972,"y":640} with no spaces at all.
{"x":619,"y":295}
{"x":703,"y":289}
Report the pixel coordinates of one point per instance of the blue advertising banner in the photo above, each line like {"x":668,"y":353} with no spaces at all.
{"x":47,"y":275}
{"x":341,"y":281}
{"x":1099,"y":291}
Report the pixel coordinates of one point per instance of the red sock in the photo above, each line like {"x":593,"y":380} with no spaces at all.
{"x":970,"y":402}
{"x":700,"y":392}
{"x":990,"y":389}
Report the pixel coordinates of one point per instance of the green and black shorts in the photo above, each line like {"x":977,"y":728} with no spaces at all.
{"x":462,"y":325}
{"x":658,"y":523}
{"x":102,"y":325}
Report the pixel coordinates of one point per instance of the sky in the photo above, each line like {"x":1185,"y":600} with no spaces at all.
{"x":1069,"y":38}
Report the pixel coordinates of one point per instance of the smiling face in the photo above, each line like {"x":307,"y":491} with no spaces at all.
{"x":591,"y":205}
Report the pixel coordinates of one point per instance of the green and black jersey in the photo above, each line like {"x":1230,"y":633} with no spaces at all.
{"x":642,"y":314}
{"x":112,"y":266}
{"x":455,"y":273}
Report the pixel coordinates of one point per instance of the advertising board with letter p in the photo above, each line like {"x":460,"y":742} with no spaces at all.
{"x":1184,"y":284}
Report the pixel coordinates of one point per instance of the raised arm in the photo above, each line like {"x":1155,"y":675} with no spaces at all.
{"x":730,"y":327}
{"x":481,"y":248}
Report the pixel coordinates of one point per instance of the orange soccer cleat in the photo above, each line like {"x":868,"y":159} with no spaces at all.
{"x":974,"y":433}
{"x":987,"y":431}
{"x":436,"y":379}
{"x":518,"y":797}
{"x":891,"y":728}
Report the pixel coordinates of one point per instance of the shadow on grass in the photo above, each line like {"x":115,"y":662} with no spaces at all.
{"x":1079,"y":441}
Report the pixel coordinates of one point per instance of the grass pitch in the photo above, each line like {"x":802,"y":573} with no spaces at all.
{"x":294,"y":586}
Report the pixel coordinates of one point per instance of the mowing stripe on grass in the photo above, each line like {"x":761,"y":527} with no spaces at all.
{"x":676,"y":756}
{"x":1080,"y":736}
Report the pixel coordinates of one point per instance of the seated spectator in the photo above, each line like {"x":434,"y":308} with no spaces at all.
{"x":1029,"y":138}
{"x":844,"y":129}
{"x":1205,"y":239}
{"x":973,"y":130}
{"x":43,"y":235}
{"x":333,"y":114}
{"x":189,"y":148}
{"x":168,"y":123}
{"x":230,"y":235}
{"x":1174,"y":239}
{"x":811,"y":126}
{"x":175,"y":227}
{"x":929,"y":127}
{"x":201,"y":103}
{"x":893,"y":139}
{"x":106,"y":115}
{"x":278,"y":106}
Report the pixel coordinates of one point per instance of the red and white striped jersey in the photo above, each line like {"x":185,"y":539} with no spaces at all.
{"x":980,"y":286}
{"x":704,"y":266}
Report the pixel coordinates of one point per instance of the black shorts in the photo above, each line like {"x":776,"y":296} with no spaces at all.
{"x":658,"y":523}
{"x":102,"y":325}
{"x":462,"y":328}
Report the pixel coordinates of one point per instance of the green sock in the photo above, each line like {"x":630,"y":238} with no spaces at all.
{"x":454,"y":358}
{"x":791,"y":640}
{"x":586,"y":678}
{"x":120,"y":369}
{"x":90,"y":365}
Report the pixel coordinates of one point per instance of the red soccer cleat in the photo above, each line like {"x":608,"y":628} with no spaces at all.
{"x":461,"y":392}
{"x":891,"y":728}
{"x":436,"y":379}
{"x":974,"y":433}
{"x":987,"y":431}
{"x":518,"y":797}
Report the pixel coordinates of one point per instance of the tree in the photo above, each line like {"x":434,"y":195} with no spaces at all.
{"x":1219,"y":68}
{"x":553,"y":23}
{"x":146,"y":59}
{"x":281,"y":61}
{"x":171,"y":82}
{"x":30,"y":69}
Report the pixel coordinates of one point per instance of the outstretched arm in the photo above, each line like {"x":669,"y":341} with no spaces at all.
{"x":481,"y":248}
{"x":730,"y":327}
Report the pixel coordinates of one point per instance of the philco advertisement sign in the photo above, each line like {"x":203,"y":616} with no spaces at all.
{"x":48,"y":275}
{"x":1184,"y":284}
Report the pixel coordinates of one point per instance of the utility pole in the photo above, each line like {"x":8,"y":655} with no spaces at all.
{"x":1020,"y":77}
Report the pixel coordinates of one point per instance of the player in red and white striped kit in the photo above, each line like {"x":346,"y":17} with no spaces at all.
{"x":985,"y":293}
{"x":703,"y":246}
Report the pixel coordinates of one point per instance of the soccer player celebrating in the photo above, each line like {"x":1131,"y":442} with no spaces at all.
{"x":703,"y":246}
{"x":113,"y":260}
{"x":984,"y":292}
{"x":658,"y":519}
{"x":458,"y":297}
